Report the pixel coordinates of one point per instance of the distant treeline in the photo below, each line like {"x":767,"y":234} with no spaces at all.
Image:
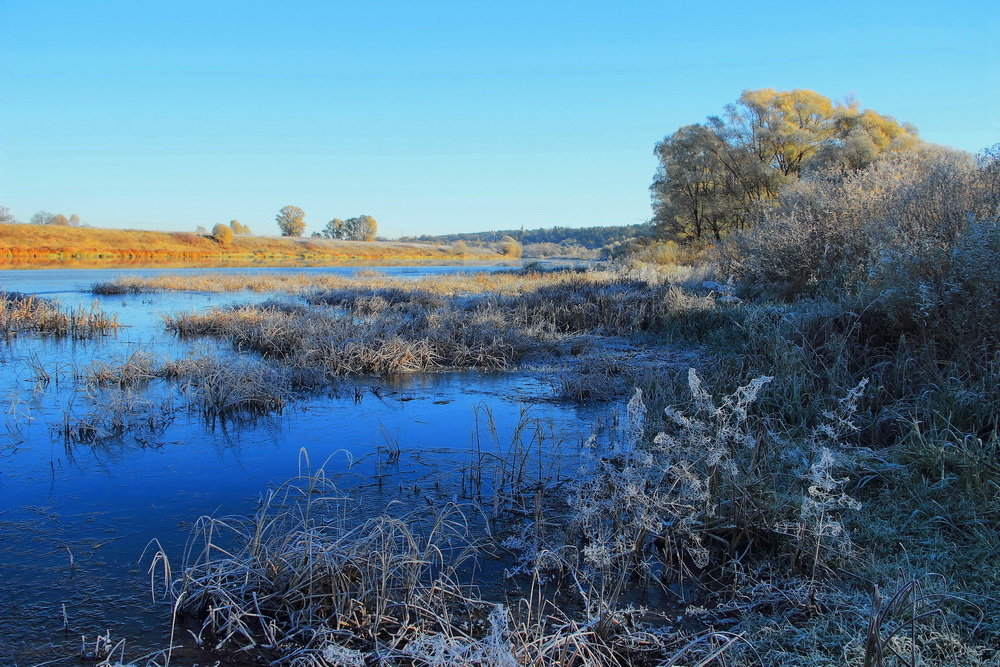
{"x":591,"y":238}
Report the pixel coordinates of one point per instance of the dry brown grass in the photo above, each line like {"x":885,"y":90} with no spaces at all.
{"x":377,"y":327}
{"x":21,"y":313}
{"x":497,"y":282}
{"x":80,"y":246}
{"x":218,"y":387}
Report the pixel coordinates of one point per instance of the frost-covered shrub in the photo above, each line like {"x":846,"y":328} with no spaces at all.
{"x":670,"y":497}
{"x":946,"y":293}
{"x":838,"y":232}
{"x":714,"y":486}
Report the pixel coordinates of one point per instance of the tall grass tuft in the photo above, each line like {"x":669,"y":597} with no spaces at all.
{"x":22,"y":313}
{"x":302,"y":581}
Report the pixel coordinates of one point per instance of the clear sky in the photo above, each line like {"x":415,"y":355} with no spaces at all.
{"x":436,"y":116}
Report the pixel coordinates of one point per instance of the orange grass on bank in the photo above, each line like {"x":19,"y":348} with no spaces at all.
{"x":49,"y":245}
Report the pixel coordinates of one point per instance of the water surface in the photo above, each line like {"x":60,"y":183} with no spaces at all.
{"x":76,"y":519}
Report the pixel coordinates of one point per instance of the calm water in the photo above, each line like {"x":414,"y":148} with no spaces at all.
{"x":75,"y":519}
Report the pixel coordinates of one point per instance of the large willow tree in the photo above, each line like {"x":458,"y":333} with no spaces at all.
{"x":710,"y":175}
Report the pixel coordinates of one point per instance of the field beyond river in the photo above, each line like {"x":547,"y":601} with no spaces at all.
{"x":52,"y":246}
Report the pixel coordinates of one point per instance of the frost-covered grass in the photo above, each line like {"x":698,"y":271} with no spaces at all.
{"x":501,"y":282}
{"x":22,"y":313}
{"x":823,"y":489}
{"x":710,"y":516}
{"x":415,"y":326}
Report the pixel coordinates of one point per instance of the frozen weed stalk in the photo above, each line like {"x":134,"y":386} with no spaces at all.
{"x":678,"y":496}
{"x":711,"y":491}
{"x":819,"y":530}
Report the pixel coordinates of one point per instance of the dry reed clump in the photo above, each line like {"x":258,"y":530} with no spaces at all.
{"x":610,"y":306}
{"x":137,"y":369}
{"x":506,"y":282}
{"x":114,"y":414}
{"x":224,"y":388}
{"x":217,"y":386}
{"x":298,"y":574}
{"x":121,"y":286}
{"x":375,"y":300}
{"x":300,"y":582}
{"x":21,"y":313}
{"x":336,"y":345}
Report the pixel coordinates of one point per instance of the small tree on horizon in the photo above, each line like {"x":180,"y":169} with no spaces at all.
{"x":6,"y":217}
{"x":361,"y":228}
{"x":74,"y":220}
{"x":291,"y":221}
{"x":42,"y":218}
{"x":369,"y":228}
{"x":223,"y":234}
{"x":335,"y":229}
{"x":60,"y":220}
{"x":509,"y":247}
{"x":236,"y":227}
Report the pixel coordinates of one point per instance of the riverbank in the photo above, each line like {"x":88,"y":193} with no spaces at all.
{"x":48,"y":246}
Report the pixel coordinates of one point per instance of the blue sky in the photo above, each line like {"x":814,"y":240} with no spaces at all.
{"x":435,"y":117}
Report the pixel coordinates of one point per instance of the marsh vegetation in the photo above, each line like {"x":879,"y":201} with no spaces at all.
{"x":797,"y":461}
{"x":23,"y":313}
{"x":821,"y":487}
